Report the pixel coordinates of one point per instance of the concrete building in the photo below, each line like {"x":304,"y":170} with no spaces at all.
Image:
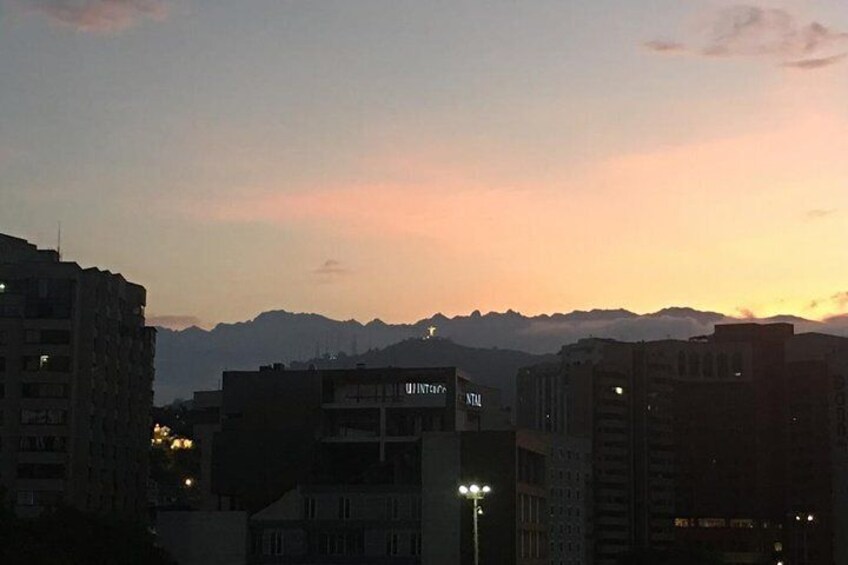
{"x":363,"y":466}
{"x":731,"y":440}
{"x":76,"y":374}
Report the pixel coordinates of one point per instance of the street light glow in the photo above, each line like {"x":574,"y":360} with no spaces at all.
{"x":475,"y":493}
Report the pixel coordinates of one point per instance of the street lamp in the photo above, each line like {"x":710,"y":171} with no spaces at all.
{"x":475,"y":493}
{"x":809,"y":519}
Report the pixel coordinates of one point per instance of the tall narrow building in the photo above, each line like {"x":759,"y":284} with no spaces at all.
{"x":76,"y":377}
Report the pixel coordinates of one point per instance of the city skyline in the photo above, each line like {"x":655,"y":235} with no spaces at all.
{"x":391,"y":160}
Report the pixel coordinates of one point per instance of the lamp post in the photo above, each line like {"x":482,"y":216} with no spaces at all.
{"x":805,"y":522}
{"x":475,"y":494}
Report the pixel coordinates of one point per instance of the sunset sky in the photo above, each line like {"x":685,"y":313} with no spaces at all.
{"x":396,"y":158}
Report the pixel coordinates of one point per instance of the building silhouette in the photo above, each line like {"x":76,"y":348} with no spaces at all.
{"x":76,"y":374}
{"x":734,"y":441}
{"x":363,"y":466}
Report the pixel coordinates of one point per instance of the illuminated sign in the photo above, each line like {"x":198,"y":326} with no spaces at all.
{"x":425,"y":388}
{"x":473,"y":399}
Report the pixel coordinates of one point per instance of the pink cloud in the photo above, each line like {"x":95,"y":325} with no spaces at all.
{"x":752,"y":31}
{"x":98,"y":16}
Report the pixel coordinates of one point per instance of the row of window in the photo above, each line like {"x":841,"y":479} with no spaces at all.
{"x":531,"y":508}
{"x":41,"y":471}
{"x":744,"y":523}
{"x":533,"y":544}
{"x":39,"y":390}
{"x":392,"y":508}
{"x":279,"y":542}
{"x":708,"y":365}
{"x":35,"y":363}
{"x":41,"y":337}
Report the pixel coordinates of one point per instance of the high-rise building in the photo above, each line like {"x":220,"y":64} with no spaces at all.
{"x":76,"y":374}
{"x":735,"y":441}
{"x":543,"y":407}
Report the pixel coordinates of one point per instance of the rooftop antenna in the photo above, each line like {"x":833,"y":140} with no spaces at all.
{"x":59,"y":240}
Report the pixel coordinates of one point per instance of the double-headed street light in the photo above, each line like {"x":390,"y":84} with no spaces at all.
{"x":475,"y":493}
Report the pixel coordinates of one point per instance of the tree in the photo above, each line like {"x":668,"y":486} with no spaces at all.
{"x":65,"y":536}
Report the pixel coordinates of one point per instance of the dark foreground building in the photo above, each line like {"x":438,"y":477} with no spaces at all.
{"x":734,"y":441}
{"x":76,"y":375}
{"x":363,"y":466}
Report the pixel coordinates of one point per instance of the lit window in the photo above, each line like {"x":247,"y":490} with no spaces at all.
{"x":681,"y":522}
{"x":43,"y":361}
{"x":2,"y":287}
{"x":618,"y":390}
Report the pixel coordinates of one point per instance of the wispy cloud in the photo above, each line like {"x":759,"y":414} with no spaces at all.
{"x":809,"y":64}
{"x":833,"y":305}
{"x":753,"y":31}
{"x":664,"y":46}
{"x":97,"y":16}
{"x":819,"y":213}
{"x":331,"y":270}
{"x":173,"y":322}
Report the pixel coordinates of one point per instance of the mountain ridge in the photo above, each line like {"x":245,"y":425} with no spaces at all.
{"x":193,"y":358}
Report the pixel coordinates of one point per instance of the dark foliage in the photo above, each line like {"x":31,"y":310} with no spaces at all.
{"x":65,"y":536}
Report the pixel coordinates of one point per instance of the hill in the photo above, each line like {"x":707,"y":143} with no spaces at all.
{"x":194,"y":358}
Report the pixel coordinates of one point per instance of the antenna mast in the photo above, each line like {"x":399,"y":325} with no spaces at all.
{"x":59,"y":241}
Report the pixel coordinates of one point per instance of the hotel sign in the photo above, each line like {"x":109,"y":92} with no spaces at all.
{"x":472,"y":399}
{"x":425,"y":388}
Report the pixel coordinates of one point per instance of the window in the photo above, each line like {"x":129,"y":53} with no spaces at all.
{"x":391,"y":543}
{"x":708,"y":364}
{"x":51,"y":416}
{"x":344,"y":508}
{"x":43,"y":443}
{"x":55,"y":337}
{"x":392,"y":508}
{"x":309,"y":508}
{"x":41,"y":471}
{"x":331,"y":543}
{"x":737,"y":364}
{"x":2,"y":364}
{"x":415,"y":543}
{"x":26,"y":498}
{"x":57,"y":363}
{"x":44,"y":390}
{"x":2,"y":287}
{"x":722,"y":366}
{"x":272,"y":542}
{"x":694,"y":364}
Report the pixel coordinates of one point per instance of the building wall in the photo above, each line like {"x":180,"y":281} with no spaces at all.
{"x":203,"y":538}
{"x":76,"y":372}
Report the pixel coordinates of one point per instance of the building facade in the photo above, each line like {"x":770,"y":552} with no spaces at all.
{"x":76,"y":376}
{"x":363,"y":466}
{"x":734,"y":441}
